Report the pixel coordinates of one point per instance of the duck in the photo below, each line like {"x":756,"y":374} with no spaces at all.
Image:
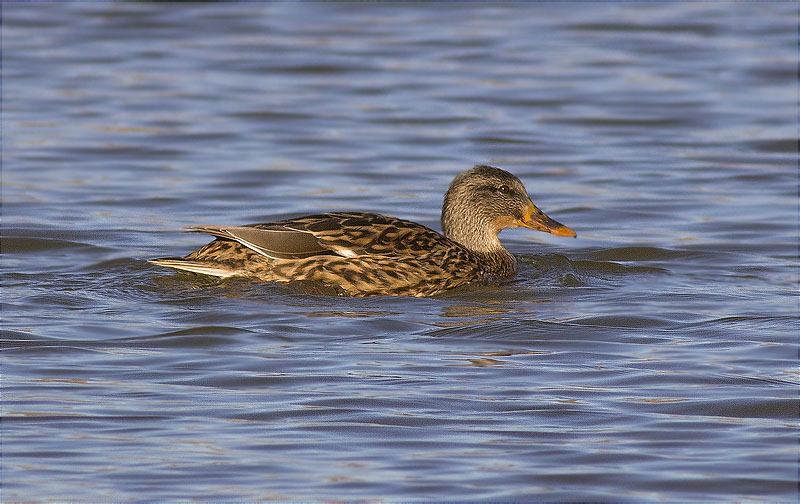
{"x":369,"y":254}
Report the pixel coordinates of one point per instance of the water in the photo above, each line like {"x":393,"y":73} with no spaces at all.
{"x":652,"y":358}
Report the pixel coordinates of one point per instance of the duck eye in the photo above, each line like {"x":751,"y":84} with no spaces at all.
{"x":504,"y":189}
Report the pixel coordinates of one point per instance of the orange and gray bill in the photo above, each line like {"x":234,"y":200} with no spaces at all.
{"x":536,"y":219}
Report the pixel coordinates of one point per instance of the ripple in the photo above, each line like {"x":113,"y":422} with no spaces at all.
{"x":24,"y":244}
{"x":194,"y":337}
{"x":628,"y":321}
{"x":640,"y":254}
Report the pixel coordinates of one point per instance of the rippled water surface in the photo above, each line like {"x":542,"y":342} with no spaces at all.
{"x":652,"y":358}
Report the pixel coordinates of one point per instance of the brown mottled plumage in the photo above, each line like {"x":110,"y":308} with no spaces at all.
{"x":365,"y":254}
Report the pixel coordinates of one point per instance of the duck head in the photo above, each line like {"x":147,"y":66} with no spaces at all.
{"x":483,"y":201}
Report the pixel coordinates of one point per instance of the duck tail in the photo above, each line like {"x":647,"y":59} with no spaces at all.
{"x":205,"y":268}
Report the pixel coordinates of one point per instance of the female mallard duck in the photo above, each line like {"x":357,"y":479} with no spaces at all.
{"x":366,"y":254}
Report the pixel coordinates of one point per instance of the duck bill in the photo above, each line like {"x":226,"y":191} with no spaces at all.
{"x":536,"y":219}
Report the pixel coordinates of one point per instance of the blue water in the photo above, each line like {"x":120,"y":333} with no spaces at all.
{"x":653,"y":358}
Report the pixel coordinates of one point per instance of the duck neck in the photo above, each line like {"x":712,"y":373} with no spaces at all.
{"x":478,"y":234}
{"x":499,"y":261}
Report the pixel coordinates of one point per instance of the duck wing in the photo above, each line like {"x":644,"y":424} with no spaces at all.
{"x":346,"y":234}
{"x":277,"y":242}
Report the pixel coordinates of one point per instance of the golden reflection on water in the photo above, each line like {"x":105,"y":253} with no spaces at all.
{"x":468,"y":312}
{"x":349,"y":313}
{"x":486,"y":360}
